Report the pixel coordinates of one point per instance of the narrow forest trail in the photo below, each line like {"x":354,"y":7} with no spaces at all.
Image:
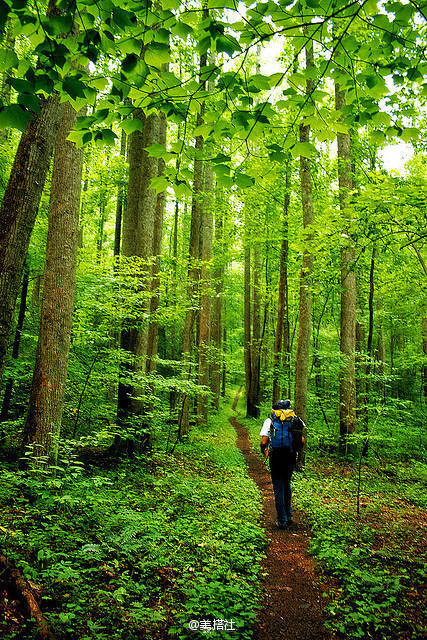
{"x":292,"y":607}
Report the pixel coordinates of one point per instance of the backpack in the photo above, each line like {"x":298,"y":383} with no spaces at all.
{"x":286,"y":431}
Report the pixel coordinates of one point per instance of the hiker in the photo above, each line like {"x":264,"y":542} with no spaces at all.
{"x":282,"y":442}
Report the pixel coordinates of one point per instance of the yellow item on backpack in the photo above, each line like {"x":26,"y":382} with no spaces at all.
{"x":283,"y":414}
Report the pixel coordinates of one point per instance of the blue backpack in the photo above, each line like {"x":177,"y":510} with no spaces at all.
{"x":281,"y":434}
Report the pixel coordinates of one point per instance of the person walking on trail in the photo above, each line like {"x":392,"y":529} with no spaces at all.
{"x":281,"y":442}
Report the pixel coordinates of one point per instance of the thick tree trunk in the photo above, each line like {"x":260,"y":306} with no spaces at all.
{"x":303,"y":348}
{"x":205,"y":297}
{"x":153,"y":330}
{"x":253,"y":399}
{"x":50,"y":372}
{"x":15,"y":349}
{"x":247,"y":316}
{"x":282,"y":324}
{"x":119,"y":203}
{"x":193,"y":268}
{"x":348,"y":292}
{"x":137,"y":244}
{"x":19,"y":210}
{"x":216,"y":326}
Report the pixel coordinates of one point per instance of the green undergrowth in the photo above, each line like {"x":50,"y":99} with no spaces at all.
{"x":373,"y":562}
{"x":140,"y":550}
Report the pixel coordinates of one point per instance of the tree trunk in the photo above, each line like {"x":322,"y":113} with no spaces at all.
{"x":15,"y":349}
{"x":348,"y":292}
{"x":119,"y":204}
{"x":137,"y":244}
{"x":303,"y":347}
{"x":193,"y":268}
{"x":253,"y":399}
{"x":205,"y":298}
{"x":282,"y":324}
{"x":19,"y":210}
{"x":216,"y":327}
{"x":153,"y":330}
{"x":50,"y":372}
{"x":424,"y":367}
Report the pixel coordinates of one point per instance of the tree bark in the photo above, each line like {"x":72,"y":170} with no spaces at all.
{"x":19,"y":210}
{"x":281,"y":341}
{"x":347,"y":386}
{"x":303,"y":347}
{"x":253,"y":399}
{"x":205,"y":297}
{"x":153,"y":330}
{"x":193,"y":268}
{"x":15,"y":349}
{"x":47,"y":394}
{"x":137,"y":244}
{"x":216,"y":327}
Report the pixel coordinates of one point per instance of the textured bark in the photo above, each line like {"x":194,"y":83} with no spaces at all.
{"x":137,"y":244}
{"x":348,"y":292}
{"x":15,"y":349}
{"x":253,"y":399}
{"x":303,"y":348}
{"x":119,"y":204}
{"x":424,"y":367}
{"x":19,"y":210}
{"x":153,"y":330}
{"x":193,"y":268}
{"x":205,"y":297}
{"x":50,"y":372}
{"x":281,"y":340}
{"x":216,"y":325}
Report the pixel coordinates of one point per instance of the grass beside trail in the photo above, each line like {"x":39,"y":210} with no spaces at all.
{"x":375,"y":559}
{"x":139,"y":550}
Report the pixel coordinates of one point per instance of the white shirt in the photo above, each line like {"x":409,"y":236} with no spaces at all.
{"x":265,"y":431}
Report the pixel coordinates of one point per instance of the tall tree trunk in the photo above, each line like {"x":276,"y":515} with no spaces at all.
{"x":253,"y":399}
{"x":216,"y":326}
{"x":119,"y":203}
{"x":205,"y":297}
{"x":15,"y":349}
{"x":303,"y":348}
{"x":193,"y":268}
{"x":20,"y":204}
{"x":424,"y":367}
{"x":153,"y":330}
{"x":282,"y":324}
{"x":47,"y":394}
{"x":247,"y":316}
{"x":19,"y":210}
{"x":137,"y":242}
{"x":348,"y":292}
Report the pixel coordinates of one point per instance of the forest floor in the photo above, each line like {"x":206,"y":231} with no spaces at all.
{"x":293,"y":605}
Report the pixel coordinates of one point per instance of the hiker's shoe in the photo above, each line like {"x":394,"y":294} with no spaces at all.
{"x":282,"y":525}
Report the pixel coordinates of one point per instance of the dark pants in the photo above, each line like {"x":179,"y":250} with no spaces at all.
{"x":282,"y":464}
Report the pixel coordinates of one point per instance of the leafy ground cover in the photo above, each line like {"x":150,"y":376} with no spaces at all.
{"x":141,"y":549}
{"x":374,"y":559}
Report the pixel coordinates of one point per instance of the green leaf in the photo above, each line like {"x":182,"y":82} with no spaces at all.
{"x":170,"y":4}
{"x":158,"y":151}
{"x":243,"y":181}
{"x":305,"y":149}
{"x":411,"y":133}
{"x":203,"y":130}
{"x":159,"y":184}
{"x":14,"y":117}
{"x":227,"y":44}
{"x":129,"y":63}
{"x":105,"y":136}
{"x":8,"y":59}
{"x":74,"y":88}
{"x":157,"y":54}
{"x":122,"y":18}
{"x":130,"y":125}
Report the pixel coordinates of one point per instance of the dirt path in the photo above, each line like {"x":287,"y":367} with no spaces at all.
{"x":293,"y":607}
